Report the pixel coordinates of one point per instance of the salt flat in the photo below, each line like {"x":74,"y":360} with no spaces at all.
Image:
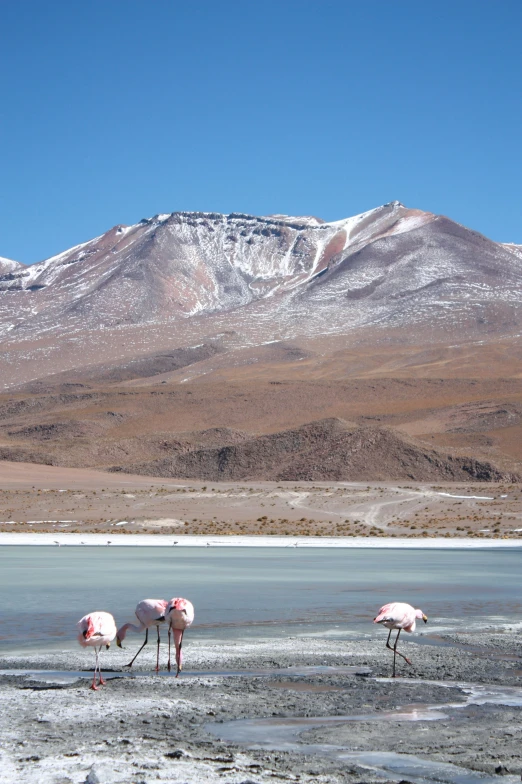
{"x":148,"y":540}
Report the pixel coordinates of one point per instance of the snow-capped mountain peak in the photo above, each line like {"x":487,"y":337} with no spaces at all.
{"x":310,"y":275}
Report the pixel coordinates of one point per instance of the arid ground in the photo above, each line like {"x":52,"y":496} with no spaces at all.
{"x":37,"y":498}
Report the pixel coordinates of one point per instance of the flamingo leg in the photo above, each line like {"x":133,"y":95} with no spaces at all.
{"x":101,"y":681}
{"x":395,"y":651}
{"x":140,"y":650}
{"x":178,"y":656}
{"x":168,"y":663}
{"x":93,"y":684}
{"x":157,"y":652}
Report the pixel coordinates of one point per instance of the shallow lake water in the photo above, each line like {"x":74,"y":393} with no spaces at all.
{"x":262,"y":592}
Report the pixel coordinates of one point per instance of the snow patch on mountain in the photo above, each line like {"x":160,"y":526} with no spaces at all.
{"x":513,"y":248}
{"x":8,"y":265}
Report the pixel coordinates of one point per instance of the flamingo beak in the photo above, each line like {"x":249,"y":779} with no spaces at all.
{"x":107,"y":646}
{"x":425,"y":618}
{"x":118,"y":642}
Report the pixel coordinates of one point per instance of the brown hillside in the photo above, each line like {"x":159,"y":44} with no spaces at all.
{"x":329,"y":449}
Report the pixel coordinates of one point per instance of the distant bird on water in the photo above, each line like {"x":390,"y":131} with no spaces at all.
{"x":179,"y":614}
{"x":398,"y":615}
{"x":96,"y":630}
{"x":149,"y":612}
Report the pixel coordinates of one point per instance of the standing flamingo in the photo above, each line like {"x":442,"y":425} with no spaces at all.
{"x":398,"y":615}
{"x":96,"y":630}
{"x":179,"y":614}
{"x":149,"y":612}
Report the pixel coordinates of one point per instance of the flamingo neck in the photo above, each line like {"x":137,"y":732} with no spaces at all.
{"x":122,"y":633}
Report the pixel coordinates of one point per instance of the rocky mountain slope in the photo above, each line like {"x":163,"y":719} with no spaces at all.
{"x":190,"y":276}
{"x":397,"y":320}
{"x":320,"y":430}
{"x":393,"y":263}
{"x":327,"y":450}
{"x":183,"y":264}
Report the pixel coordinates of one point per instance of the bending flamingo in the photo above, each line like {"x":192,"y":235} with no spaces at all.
{"x":96,"y":630}
{"x":179,"y":614}
{"x":398,"y":615}
{"x":149,"y":612}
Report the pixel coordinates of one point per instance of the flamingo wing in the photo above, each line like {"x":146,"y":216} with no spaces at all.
{"x":96,"y":628}
{"x":398,"y":614}
{"x":149,"y":612}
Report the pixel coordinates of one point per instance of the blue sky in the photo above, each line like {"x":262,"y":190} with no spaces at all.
{"x":114,"y":111}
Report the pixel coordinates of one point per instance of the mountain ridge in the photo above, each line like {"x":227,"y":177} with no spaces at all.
{"x":178,"y":280}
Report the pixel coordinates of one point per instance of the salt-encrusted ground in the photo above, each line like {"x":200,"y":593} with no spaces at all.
{"x":147,"y":540}
{"x":149,"y":728}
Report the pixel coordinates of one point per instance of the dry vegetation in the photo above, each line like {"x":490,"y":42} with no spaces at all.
{"x":288,"y":509}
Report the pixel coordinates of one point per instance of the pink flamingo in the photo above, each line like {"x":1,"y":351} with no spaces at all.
{"x":149,"y":612}
{"x":96,"y":630}
{"x":179,"y":614}
{"x":398,"y":615}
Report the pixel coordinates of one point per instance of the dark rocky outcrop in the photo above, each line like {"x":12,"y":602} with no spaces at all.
{"x":330,"y":450}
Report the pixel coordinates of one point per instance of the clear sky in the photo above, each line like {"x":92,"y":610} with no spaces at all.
{"x":116,"y":110}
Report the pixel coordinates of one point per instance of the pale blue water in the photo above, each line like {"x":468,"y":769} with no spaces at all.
{"x":253,"y":592}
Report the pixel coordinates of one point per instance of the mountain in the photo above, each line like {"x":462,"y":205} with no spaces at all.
{"x":401,"y":322}
{"x":392,"y":273}
{"x":182,"y":264}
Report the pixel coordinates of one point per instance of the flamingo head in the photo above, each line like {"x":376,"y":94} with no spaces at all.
{"x":121,"y":634}
{"x":420,"y":615}
{"x":89,"y":631}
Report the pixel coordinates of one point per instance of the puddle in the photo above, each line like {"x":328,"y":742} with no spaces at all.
{"x":69,"y":676}
{"x":476,"y":693}
{"x":398,"y":766}
{"x":304,"y":686}
{"x":283,"y":734}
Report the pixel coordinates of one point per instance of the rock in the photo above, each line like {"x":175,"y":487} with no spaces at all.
{"x":501,"y":770}
{"x":100,"y":774}
{"x":177,"y":754}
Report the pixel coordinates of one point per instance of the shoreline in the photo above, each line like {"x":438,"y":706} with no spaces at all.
{"x":162,"y":540}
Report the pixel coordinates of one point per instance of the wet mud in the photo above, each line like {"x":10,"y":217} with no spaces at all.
{"x":297,"y":710}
